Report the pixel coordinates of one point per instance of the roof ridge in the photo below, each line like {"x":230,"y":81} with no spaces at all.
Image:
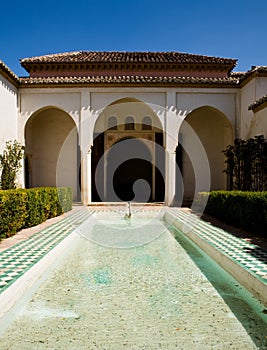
{"x":49,"y":55}
{"x":175,"y":54}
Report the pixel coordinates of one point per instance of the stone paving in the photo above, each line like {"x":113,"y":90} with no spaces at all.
{"x":145,"y":297}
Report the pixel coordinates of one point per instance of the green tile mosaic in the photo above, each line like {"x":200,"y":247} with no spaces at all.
{"x":16,"y":260}
{"x":251,"y":257}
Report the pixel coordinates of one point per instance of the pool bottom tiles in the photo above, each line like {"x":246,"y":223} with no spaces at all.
{"x":151,"y":296}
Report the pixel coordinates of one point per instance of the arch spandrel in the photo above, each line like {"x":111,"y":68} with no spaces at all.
{"x":125,"y":107}
{"x":228,"y":119}
{"x":26,"y":119}
{"x":32,"y":102}
{"x":52,"y":107}
{"x":186,"y":103}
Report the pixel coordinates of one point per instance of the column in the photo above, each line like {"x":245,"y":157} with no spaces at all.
{"x":85,"y":142}
{"x":171,"y":141}
{"x":153,"y":171}
{"x":88,"y":176}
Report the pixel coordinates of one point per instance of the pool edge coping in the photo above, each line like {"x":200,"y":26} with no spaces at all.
{"x":11,"y":297}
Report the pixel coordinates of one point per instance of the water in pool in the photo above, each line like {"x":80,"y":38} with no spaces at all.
{"x":140,"y":290}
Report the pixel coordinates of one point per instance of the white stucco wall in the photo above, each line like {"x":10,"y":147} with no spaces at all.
{"x":247,"y":97}
{"x":214,"y":133}
{"x":51,"y":147}
{"x":259,"y":124}
{"x":121,"y":111}
{"x":8,"y":112}
{"x":154,"y":98}
{"x":34,"y":100}
{"x":225,"y":100}
{"x":251,"y":92}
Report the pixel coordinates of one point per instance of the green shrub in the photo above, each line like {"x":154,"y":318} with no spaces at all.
{"x":247,"y":210}
{"x":10,"y":162}
{"x":246,"y":164}
{"x":13,"y":212}
{"x":65,"y":198}
{"x":24,"y":208}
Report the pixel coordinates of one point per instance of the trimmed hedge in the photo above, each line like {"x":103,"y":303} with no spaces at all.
{"x":24,"y":208}
{"x":247,"y":210}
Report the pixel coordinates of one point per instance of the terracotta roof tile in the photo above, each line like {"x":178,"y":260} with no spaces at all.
{"x":237,"y":74}
{"x":254,"y":71}
{"x":7,"y":72}
{"x":258,"y":69}
{"x":124,"y":80}
{"x":124,"y":57}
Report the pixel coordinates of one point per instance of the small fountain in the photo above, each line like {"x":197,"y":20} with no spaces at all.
{"x":129,"y":214}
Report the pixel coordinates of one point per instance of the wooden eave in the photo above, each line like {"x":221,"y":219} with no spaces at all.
{"x":33,"y":67}
{"x":260,"y":107}
{"x":129,"y":84}
{"x":259,"y":104}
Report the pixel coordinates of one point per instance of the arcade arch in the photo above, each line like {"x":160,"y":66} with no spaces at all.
{"x":52,"y":151}
{"x":134,"y":142}
{"x":215,"y":133}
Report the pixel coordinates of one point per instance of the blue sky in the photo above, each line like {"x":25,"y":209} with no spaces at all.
{"x":226,"y":28}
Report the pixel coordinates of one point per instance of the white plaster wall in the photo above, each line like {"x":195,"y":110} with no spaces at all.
{"x":8,"y":112}
{"x":223,"y":100}
{"x":33,"y":100}
{"x":100,"y":100}
{"x":215,"y":133}
{"x":52,"y":150}
{"x":75,"y":103}
{"x":156,"y":100}
{"x":72,"y":101}
{"x":261,"y":87}
{"x":248,"y":96}
{"x":259,"y":124}
{"x":123,"y":110}
{"x":251,"y":92}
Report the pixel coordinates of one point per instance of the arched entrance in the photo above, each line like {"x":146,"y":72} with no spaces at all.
{"x":129,"y":162}
{"x":52,"y":150}
{"x":215,"y":133}
{"x":128,"y":159}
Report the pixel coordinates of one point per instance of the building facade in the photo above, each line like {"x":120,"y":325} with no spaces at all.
{"x":119,"y":126}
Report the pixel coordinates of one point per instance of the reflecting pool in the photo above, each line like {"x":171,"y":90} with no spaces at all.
{"x":127,"y":285}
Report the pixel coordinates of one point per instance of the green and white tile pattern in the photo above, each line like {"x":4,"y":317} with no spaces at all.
{"x":16,"y":260}
{"x":249,"y":256}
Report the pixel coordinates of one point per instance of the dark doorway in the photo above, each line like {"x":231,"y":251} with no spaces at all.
{"x":129,"y":171}
{"x":97,"y":153}
{"x":126,"y":176}
{"x":125,"y":171}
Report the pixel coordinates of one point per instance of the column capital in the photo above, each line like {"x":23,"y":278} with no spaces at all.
{"x":89,"y":149}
